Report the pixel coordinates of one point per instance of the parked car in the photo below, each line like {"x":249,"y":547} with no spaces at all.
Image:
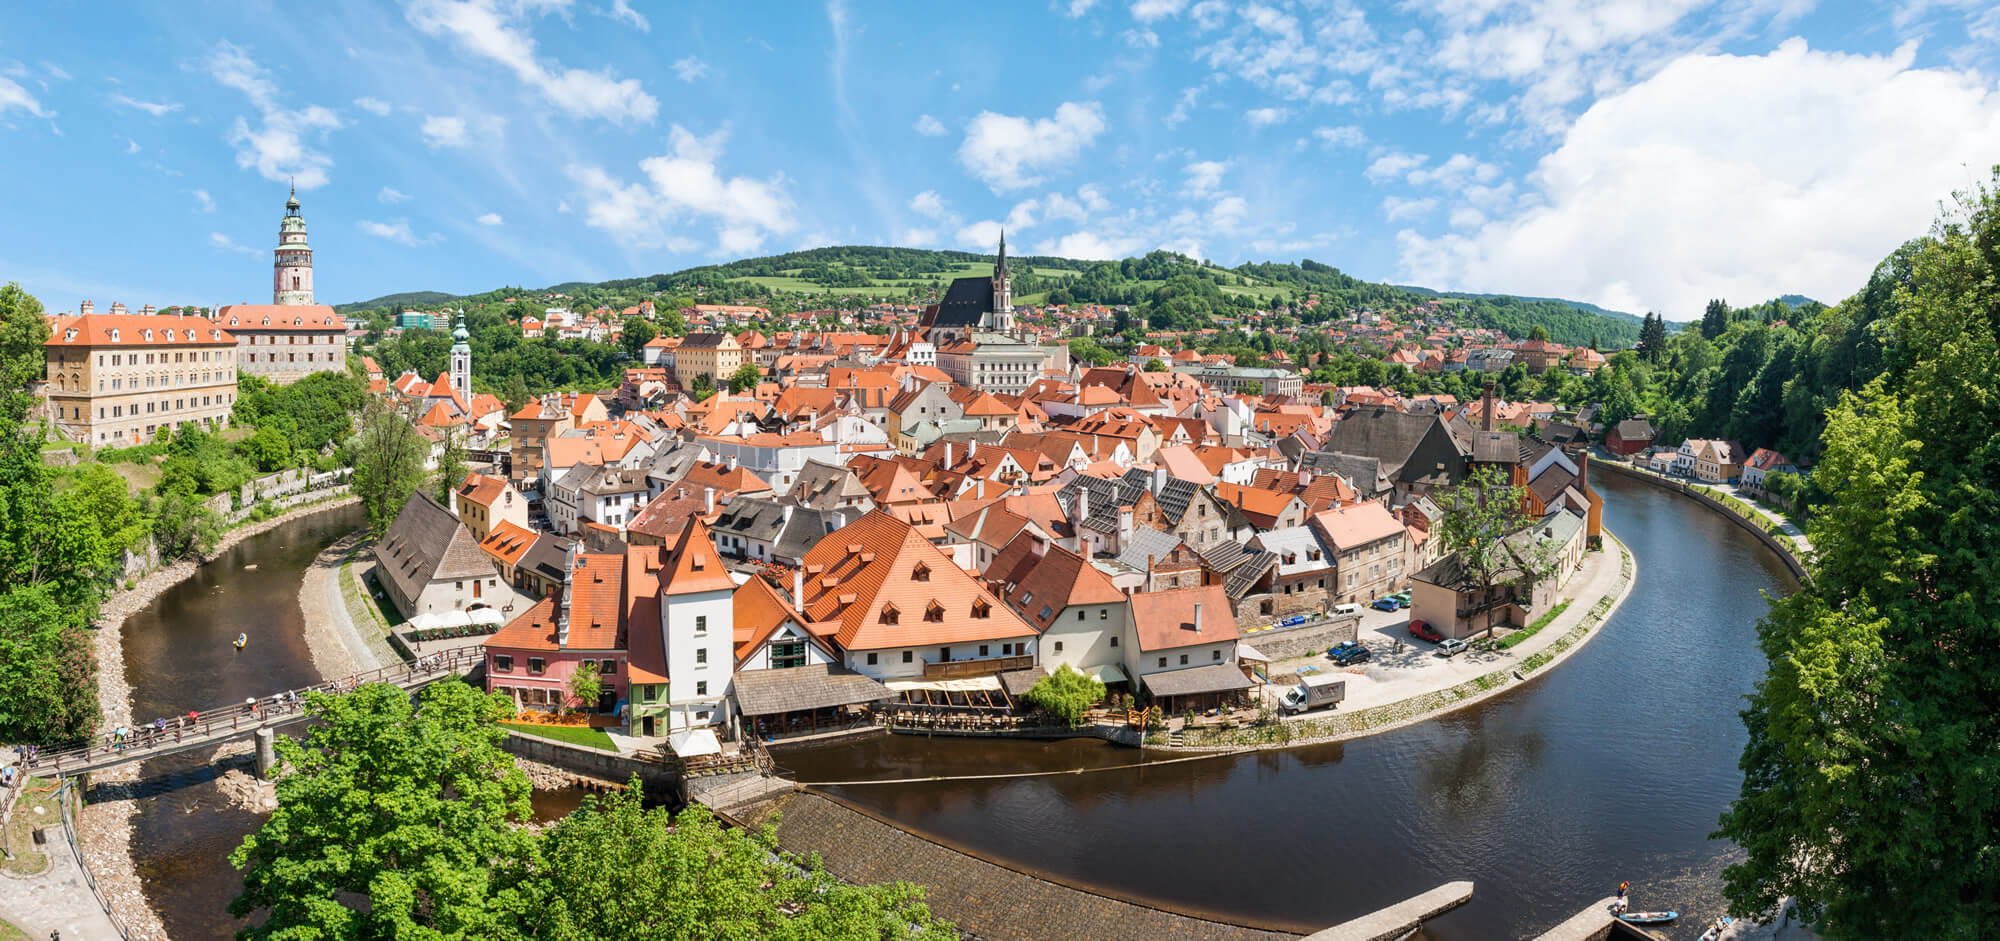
{"x":1346,"y":609}
{"x":1423,"y":631}
{"x":1402,"y":598}
{"x":1453,"y":647}
{"x":1348,"y":653}
{"x":1385,"y":604}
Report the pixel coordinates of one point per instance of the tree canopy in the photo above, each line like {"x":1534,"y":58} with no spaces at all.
{"x":1869,"y":793}
{"x":1065,"y":694}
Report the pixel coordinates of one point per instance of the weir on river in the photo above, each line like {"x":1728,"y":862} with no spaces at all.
{"x":1614,"y":766}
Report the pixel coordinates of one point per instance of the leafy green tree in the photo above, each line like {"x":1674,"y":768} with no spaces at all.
{"x":637,"y":333}
{"x":617,"y":869}
{"x":1154,"y":365}
{"x":184,"y":525}
{"x":1065,"y":694}
{"x":1714,"y":319}
{"x":269,"y":445}
{"x":1869,"y":794}
{"x":1539,"y":332}
{"x":1087,"y":350}
{"x":517,"y":394}
{"x":22,"y":333}
{"x":702,"y":387}
{"x":585,"y":686}
{"x":1252,"y":388}
{"x":746,"y":376}
{"x":1479,"y":515}
{"x":391,"y":820}
{"x":451,"y":466}
{"x":389,"y":458}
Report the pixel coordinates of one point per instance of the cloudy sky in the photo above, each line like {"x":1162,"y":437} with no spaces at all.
{"x":1642,"y":154}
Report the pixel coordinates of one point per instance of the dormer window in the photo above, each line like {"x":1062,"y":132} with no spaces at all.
{"x":922,"y":573}
{"x":114,"y":334}
{"x":890,"y":615}
{"x":982,"y":610}
{"x":934,"y":613}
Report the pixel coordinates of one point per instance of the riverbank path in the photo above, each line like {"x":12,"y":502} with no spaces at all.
{"x":224,"y":723}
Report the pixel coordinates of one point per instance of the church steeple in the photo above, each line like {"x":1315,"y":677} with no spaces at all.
{"x":291,"y":264}
{"x":1002,"y":316}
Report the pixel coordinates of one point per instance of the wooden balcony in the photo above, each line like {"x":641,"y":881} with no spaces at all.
{"x":960,"y":669}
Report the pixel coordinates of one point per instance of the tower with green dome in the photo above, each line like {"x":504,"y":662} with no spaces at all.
{"x":461,"y":359}
{"x":292,"y":268}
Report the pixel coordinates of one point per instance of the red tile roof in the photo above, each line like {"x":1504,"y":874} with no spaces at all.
{"x":135,"y":330}
{"x":886,"y":586}
{"x":1164,"y":620}
{"x":693,"y":565}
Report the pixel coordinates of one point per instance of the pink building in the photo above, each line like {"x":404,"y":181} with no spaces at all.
{"x":532,"y":658}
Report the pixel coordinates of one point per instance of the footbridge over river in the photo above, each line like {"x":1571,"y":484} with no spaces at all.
{"x":229,"y":722}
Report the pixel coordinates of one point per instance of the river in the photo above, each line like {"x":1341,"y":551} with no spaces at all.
{"x":1614,"y":766}
{"x":178,"y":657}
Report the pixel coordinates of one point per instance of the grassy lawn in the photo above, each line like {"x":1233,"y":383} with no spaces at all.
{"x":21,"y":829}
{"x":569,"y":734}
{"x":8,"y":932}
{"x":138,"y":476}
{"x":379,"y":596}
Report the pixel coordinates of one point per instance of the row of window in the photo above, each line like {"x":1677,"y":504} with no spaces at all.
{"x":504,"y":663}
{"x":118,"y":411}
{"x":1214,"y":656}
{"x":292,"y":339}
{"x":132,"y":359}
{"x":944,"y":653}
{"x":294,"y":357}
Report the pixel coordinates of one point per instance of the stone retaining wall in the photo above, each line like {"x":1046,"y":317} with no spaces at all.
{"x":1763,"y":535}
{"x":1284,"y":645}
{"x":661,"y":780}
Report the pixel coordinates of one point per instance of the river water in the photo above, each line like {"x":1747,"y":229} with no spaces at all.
{"x":1615,"y":766}
{"x":178,"y":657}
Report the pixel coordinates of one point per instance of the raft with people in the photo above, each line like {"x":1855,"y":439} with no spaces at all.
{"x":240,"y":640}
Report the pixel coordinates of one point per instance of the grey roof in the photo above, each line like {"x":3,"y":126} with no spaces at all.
{"x":1016,"y":682}
{"x":1301,"y":543}
{"x":826,"y":486}
{"x":1365,"y":473}
{"x":1175,"y":497}
{"x":814,"y":686}
{"x":965,"y":303}
{"x":1240,"y":566}
{"x":1556,"y":432}
{"x":1106,"y":496}
{"x":546,"y":557}
{"x":1395,"y":438}
{"x":1496,"y":447}
{"x":701,"y":341}
{"x":1213,"y":678}
{"x":1635,"y":429}
{"x":426,"y":544}
{"x":610,"y":480}
{"x":804,"y":530}
{"x":1146,"y":544}
{"x":671,"y":462}
{"x":755,"y":518}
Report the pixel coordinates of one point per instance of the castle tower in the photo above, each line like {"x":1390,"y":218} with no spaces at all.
{"x":461,"y":359}
{"x":1002,"y":317}
{"x":292,"y":272}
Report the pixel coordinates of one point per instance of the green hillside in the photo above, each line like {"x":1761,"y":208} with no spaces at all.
{"x":1164,"y":291}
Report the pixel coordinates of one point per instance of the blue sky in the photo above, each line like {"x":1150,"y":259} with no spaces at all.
{"x":1643,"y":154}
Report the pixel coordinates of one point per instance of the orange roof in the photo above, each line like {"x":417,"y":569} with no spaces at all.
{"x":508,"y":542}
{"x":1255,"y":502}
{"x":597,"y":602}
{"x":886,"y":586}
{"x":1042,"y":586}
{"x":1165,"y":619}
{"x":693,"y":565}
{"x":1349,"y":527}
{"x":481,"y":489}
{"x":280,"y":317}
{"x":135,"y":330}
{"x":759,"y":612}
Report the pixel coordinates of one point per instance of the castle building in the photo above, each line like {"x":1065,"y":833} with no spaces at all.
{"x":291,"y":337}
{"x":119,"y":379}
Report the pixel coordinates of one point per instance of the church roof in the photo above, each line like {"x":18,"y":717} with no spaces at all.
{"x":965,"y":303}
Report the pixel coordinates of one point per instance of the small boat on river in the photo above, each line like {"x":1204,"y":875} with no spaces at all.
{"x":1648,"y":918}
{"x":241,"y":639}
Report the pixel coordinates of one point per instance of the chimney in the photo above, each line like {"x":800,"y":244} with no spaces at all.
{"x":1305,"y":477}
{"x":1159,"y":475}
{"x":1125,"y":529}
{"x":972,"y":450}
{"x":1486,"y":405}
{"x":85,"y":308}
{"x":1197,"y":617}
{"x":799,"y":587}
{"x":148,"y":310}
{"x":1080,"y":507}
{"x":947,"y":455}
{"x":708,"y":497}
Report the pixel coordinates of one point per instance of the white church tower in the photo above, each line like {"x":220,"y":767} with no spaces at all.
{"x":292,"y":264}
{"x":461,"y":359}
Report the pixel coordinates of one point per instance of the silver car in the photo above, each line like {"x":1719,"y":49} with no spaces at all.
{"x":1453,"y":647}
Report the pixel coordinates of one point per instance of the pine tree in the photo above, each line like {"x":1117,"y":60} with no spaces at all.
{"x":1715,"y":319}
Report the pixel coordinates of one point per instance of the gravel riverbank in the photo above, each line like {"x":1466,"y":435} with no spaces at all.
{"x":105,"y":826}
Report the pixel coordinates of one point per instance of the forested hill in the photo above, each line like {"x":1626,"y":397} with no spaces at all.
{"x":1165,"y":290}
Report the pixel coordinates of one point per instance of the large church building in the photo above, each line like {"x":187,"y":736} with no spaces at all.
{"x":291,"y":337}
{"x":978,"y":344}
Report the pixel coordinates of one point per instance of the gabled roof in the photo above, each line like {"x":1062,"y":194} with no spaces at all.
{"x":693,"y":566}
{"x":1351,"y":527}
{"x":880,"y":580}
{"x":667,"y":514}
{"x":426,"y":543}
{"x":508,"y":543}
{"x":481,"y":489}
{"x":1164,"y":620}
{"x":1042,"y":587}
{"x":759,"y":610}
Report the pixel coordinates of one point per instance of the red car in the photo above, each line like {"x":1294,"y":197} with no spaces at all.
{"x":1425,"y":631}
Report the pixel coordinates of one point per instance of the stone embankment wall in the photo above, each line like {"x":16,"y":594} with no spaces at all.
{"x":661,"y":780}
{"x":1284,"y":645}
{"x":1764,"y":536}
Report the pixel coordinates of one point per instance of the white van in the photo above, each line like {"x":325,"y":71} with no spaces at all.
{"x":1347,"y":610}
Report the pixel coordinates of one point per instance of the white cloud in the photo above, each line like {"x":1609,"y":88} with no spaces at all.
{"x":207,"y":202}
{"x":1092,"y":197}
{"x":986,"y":233}
{"x":1265,"y":117}
{"x":1146,"y":11}
{"x":492,"y":31}
{"x":1459,"y":171}
{"x":285,"y":149}
{"x":1203,"y":176}
{"x":1010,"y":152}
{"x":929,"y":203}
{"x":1466,"y":217}
{"x":1346,"y":135}
{"x":1228,"y":213}
{"x":686,"y":184}
{"x":1076,"y":8}
{"x":398,"y":231}
{"x":491,"y":218}
{"x":1390,"y":166}
{"x":1731,"y":176}
{"x":12,"y":95}
{"x":444,"y":131}
{"x":1183,"y":106}
{"x":1090,"y":246}
{"x":1141,"y":38}
{"x":622,"y":10}
{"x":929,"y":126}
{"x":226,"y":243}
{"x":374,"y":106}
{"x":391,"y":195}
{"x":1058,"y":206}
{"x":1396,"y":208}
{"x":154,"y":108}
{"x":689,"y":68}
{"x":916,"y":237}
